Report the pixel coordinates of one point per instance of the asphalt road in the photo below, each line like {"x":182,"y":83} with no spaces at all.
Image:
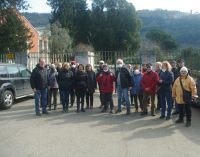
{"x":94,"y":134}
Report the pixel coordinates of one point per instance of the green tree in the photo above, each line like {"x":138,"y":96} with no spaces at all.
{"x":74,"y":16}
{"x":117,"y":26}
{"x":60,"y":41}
{"x":13,"y":34}
{"x":13,"y":4}
{"x":163,"y":39}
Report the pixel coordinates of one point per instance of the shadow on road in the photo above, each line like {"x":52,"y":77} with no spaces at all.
{"x":138,"y":127}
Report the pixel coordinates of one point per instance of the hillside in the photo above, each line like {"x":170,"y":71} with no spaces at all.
{"x":184,"y":27}
{"x":38,"y":19}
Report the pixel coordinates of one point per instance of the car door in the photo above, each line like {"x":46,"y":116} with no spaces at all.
{"x":26,"y":74}
{"x":15,"y":79}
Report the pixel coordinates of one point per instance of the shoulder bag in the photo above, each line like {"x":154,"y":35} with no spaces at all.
{"x":187,"y":95}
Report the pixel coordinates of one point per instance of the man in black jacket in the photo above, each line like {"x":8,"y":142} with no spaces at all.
{"x":39,"y":84}
{"x":124,"y":84}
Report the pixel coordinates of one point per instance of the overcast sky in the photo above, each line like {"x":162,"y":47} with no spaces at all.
{"x":181,"y":5}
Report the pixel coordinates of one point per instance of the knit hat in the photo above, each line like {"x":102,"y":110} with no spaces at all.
{"x":101,"y":62}
{"x":184,"y":69}
{"x":120,"y":61}
{"x":53,"y":66}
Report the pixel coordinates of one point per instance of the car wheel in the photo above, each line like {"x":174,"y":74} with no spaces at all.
{"x":8,"y":99}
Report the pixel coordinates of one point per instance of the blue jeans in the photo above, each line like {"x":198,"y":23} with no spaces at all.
{"x":166,"y":96}
{"x":41,"y":95}
{"x":65,"y":98}
{"x":120,"y":94}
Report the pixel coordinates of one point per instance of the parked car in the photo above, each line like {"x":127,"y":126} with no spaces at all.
{"x":14,"y":84}
{"x":198,"y":93}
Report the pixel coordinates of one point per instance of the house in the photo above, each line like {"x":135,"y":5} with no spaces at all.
{"x":35,"y":35}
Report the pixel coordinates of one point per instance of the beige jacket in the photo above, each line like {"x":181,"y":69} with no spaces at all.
{"x":188,"y":84}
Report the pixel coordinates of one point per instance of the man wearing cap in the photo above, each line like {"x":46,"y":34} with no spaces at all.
{"x":149,"y":83}
{"x":99,"y":71}
{"x":124,"y":84}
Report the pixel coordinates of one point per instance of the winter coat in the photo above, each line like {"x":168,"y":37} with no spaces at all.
{"x":65,"y":79}
{"x":149,"y":80}
{"x":74,"y":70}
{"x":39,"y":78}
{"x":168,"y":79}
{"x":188,"y":84}
{"x":53,"y":75}
{"x":137,"y":78}
{"x":125,"y":78}
{"x":106,"y":79}
{"x":80,"y":81}
{"x":91,"y":81}
{"x":175,"y":73}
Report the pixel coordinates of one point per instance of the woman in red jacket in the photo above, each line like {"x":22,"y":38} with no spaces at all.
{"x":106,"y":79}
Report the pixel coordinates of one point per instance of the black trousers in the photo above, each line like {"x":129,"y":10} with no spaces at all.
{"x":53,"y":92}
{"x":80,"y":99}
{"x":185,"y":109}
{"x":107,"y":99}
{"x":89,"y":99}
{"x":72,"y":96}
{"x":136,"y":98}
{"x":158,"y":101}
{"x":131,"y":98}
{"x":101,"y":98}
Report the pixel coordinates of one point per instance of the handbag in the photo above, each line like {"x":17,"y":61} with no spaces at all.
{"x":187,"y":95}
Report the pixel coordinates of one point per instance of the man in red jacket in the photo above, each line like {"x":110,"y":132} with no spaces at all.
{"x":106,"y":79}
{"x":149,"y":82}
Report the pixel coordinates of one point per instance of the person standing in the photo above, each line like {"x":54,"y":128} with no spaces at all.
{"x":106,"y":79}
{"x":174,"y":70}
{"x":136,"y":90}
{"x":91,"y":84}
{"x":158,"y":70}
{"x":124,"y":84}
{"x":99,"y":71}
{"x":65,"y":81}
{"x":59,"y":68}
{"x":53,"y":86}
{"x":131,"y":71}
{"x":80,"y":87}
{"x":39,"y":84}
{"x":149,"y":83}
{"x":181,"y":63}
{"x":186,"y":82}
{"x":144,"y":68}
{"x":166,"y":82}
{"x":72,"y":92}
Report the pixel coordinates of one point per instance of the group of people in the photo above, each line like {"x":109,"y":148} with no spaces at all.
{"x":167,"y":83}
